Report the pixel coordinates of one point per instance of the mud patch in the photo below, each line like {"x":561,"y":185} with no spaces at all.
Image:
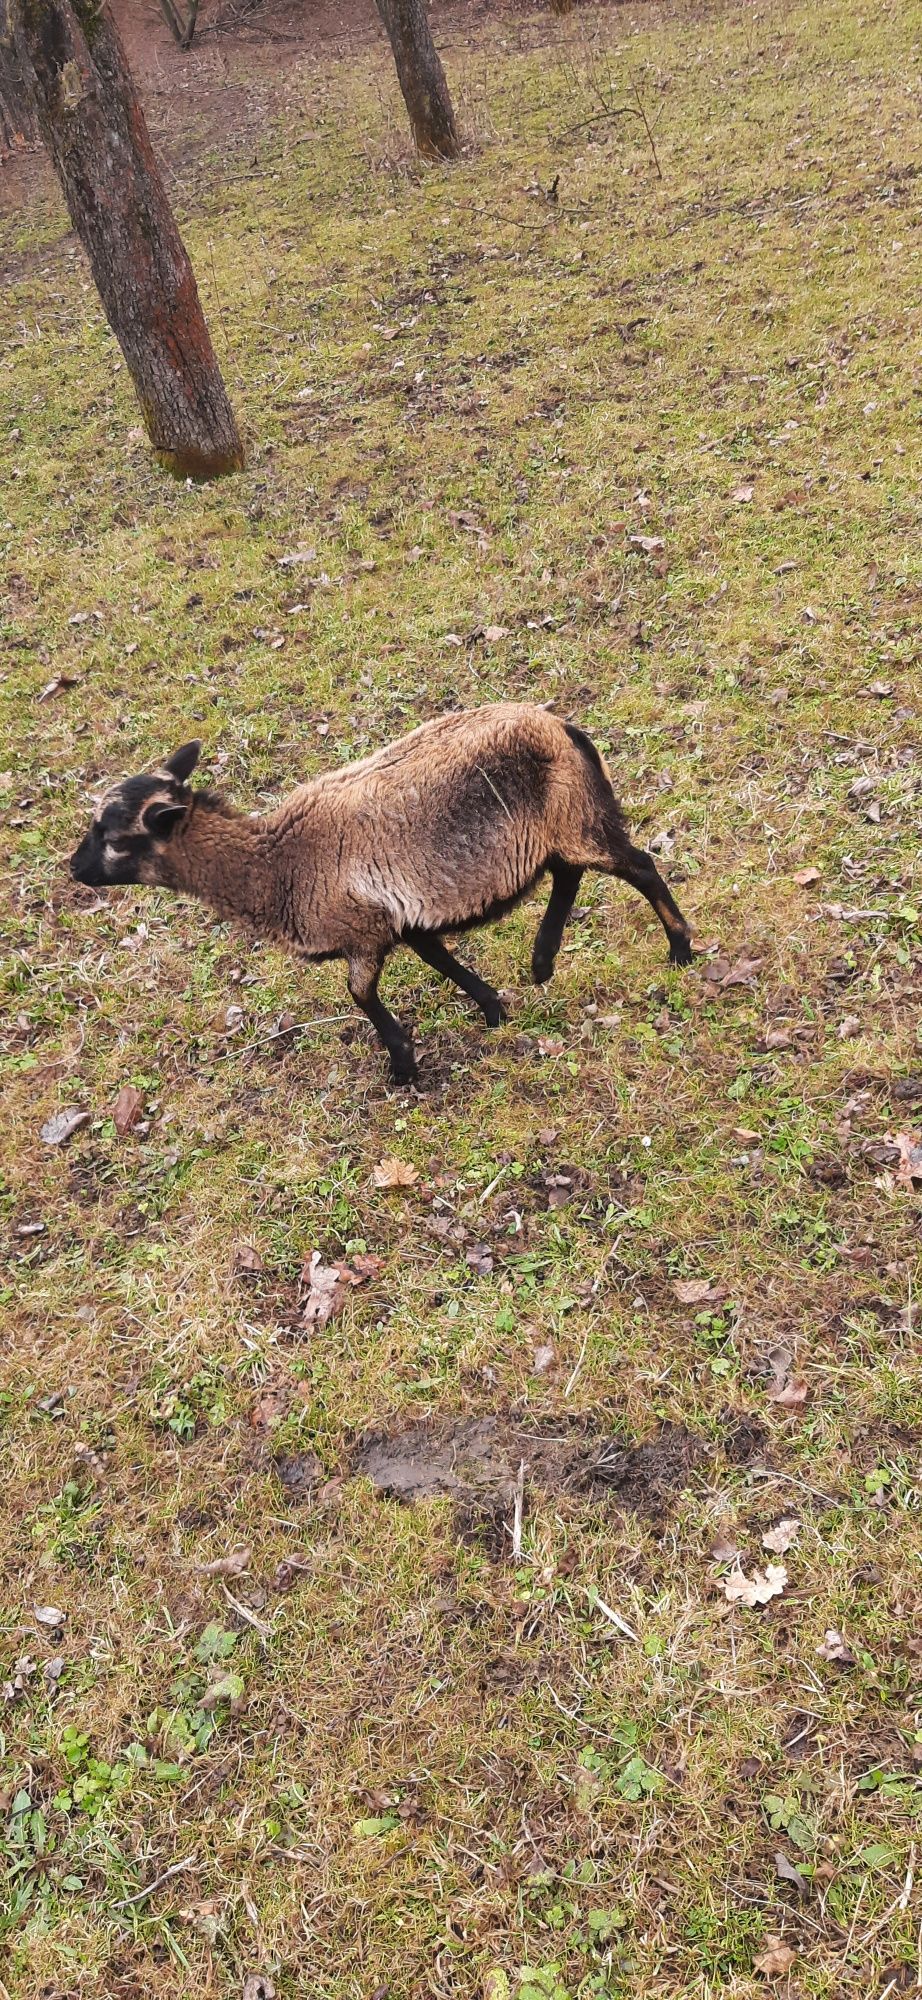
{"x":475,"y":1461}
{"x":645,"y":1476}
{"x":299,"y":1474}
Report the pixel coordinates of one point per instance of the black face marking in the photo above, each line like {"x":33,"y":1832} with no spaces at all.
{"x":118,"y":844}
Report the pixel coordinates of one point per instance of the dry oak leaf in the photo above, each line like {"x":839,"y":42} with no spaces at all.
{"x":805,"y":876}
{"x":910,"y":1167}
{"x":782,"y":1536}
{"x":236,"y":1564}
{"x":742,"y":972}
{"x":57,"y":1130}
{"x":835,"y":1649}
{"x":328,"y":1285}
{"x":127,"y":1109}
{"x":394,"y":1173}
{"x":756,"y":1589}
{"x":743,"y":494}
{"x":697,"y":1291}
{"x":648,"y":543}
{"x":270,"y":1406}
{"x":247,"y":1261}
{"x":789,"y":1395}
{"x":776,"y":1959}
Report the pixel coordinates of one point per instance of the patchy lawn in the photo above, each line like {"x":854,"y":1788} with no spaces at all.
{"x":410,"y":1653}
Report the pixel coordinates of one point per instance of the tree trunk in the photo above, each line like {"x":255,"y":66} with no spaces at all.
{"x":421,"y":78}
{"x":92,"y":123}
{"x":17,"y":118}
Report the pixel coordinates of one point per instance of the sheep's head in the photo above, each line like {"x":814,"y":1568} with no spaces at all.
{"x":134,"y":822}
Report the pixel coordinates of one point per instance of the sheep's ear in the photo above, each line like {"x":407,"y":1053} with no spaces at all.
{"x":183,"y":762}
{"x":161,"y":817}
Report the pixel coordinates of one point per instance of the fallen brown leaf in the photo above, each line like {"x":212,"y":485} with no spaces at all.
{"x":789,"y":1395}
{"x":835,"y":1649}
{"x":48,"y":1614}
{"x":697,"y":1291}
{"x":910,"y":1149}
{"x":393,"y":1173}
{"x":328,"y":1285}
{"x":58,"y":1129}
{"x":782,"y":1536}
{"x":270,"y":1406}
{"x":648,"y":543}
{"x":776,"y":1038}
{"x":776,"y":1959}
{"x":127,"y":1109}
{"x":805,"y":876}
{"x":742,"y":494}
{"x":742,"y":972}
{"x":247,"y":1261}
{"x":757,"y":1588}
{"x":786,"y":1872}
{"x":236,"y":1564}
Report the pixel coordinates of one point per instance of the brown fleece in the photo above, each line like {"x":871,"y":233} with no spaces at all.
{"x":437,"y":832}
{"x":429,"y":834}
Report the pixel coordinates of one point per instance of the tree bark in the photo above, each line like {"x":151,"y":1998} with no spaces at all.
{"x":17,"y":118}
{"x":421,"y":78}
{"x":92,"y":123}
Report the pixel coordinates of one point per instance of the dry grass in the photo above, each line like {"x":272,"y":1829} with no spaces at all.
{"x":388,"y":1756}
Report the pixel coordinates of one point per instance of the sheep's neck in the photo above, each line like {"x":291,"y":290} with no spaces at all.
{"x":225,"y":859}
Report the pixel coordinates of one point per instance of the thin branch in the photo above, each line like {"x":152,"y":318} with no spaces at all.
{"x":647,"y":126}
{"x":124,"y":1902}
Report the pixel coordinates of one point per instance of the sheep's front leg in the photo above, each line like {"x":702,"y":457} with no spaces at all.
{"x":364,"y":974}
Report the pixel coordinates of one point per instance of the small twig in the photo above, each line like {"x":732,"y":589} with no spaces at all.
{"x":123,"y":1903}
{"x":598,"y":118}
{"x":788,"y":1479}
{"x":265,"y":1631}
{"x":579,"y":1362}
{"x":296,"y":1028}
{"x":857,"y":1907}
{"x":517,"y":1513}
{"x":647,"y":126}
{"x":620,"y":1624}
{"x":900,"y":1902}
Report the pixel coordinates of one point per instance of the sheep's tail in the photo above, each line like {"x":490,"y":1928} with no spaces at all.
{"x":604,"y":823}
{"x":585,"y":744}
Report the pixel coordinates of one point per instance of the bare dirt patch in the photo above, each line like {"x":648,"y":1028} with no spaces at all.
{"x":476,"y":1461}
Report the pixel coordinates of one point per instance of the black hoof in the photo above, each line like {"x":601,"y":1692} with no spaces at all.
{"x":541,"y":968}
{"x":495,"y":1014}
{"x":404,"y":1069}
{"x":680,"y":952}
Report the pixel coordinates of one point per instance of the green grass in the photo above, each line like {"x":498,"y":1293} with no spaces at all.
{"x":420,"y":1765}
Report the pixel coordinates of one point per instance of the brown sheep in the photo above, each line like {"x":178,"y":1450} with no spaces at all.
{"x":445,"y":829}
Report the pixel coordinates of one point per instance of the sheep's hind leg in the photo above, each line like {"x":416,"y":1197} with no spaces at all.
{"x":363,"y":986}
{"x":638,"y":868}
{"x":565,"y":880}
{"x":437,"y":955}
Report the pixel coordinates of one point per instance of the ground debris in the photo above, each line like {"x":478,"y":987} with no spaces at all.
{"x":478,"y":1458}
{"x":329,"y":1285}
{"x":62,"y":1125}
